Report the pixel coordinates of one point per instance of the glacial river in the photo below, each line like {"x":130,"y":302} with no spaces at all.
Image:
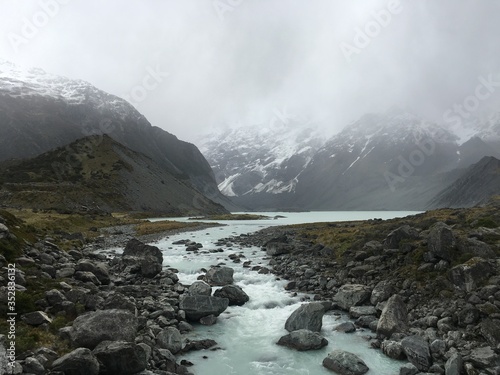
{"x":248,"y":334}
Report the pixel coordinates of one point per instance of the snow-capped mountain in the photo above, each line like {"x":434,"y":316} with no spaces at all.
{"x":394,"y":160}
{"x":261,"y":159}
{"x":40,"y":111}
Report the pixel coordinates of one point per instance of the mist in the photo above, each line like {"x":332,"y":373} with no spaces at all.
{"x":191,"y":66}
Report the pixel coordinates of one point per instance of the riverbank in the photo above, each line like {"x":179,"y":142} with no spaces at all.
{"x":426,"y":285}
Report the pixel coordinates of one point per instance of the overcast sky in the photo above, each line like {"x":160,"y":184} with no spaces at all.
{"x":189,"y":65}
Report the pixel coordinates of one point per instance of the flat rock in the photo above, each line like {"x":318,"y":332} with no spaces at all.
{"x":196,"y":307}
{"x":345,"y":363}
{"x":303,"y":340}
{"x":358,"y":311}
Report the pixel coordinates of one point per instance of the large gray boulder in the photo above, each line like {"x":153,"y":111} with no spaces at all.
{"x":484,"y":357}
{"x":80,"y":361}
{"x":404,"y":232}
{"x":308,"y":316}
{"x":147,"y":259}
{"x":4,"y":231}
{"x":345,"y":363}
{"x":381,"y":292}
{"x":454,"y":364}
{"x":441,"y":242}
{"x":303,"y":340}
{"x":234,"y":294}
{"x":394,"y":317}
{"x":99,"y":269}
{"x":469,"y":275}
{"x":196,"y":307}
{"x":103,"y":325}
{"x":417,"y":351}
{"x":170,"y":338}
{"x":350,"y":295}
{"x":490,"y":330}
{"x":476,"y":248}
{"x":219,"y":276}
{"x":200,"y":288}
{"x":277,"y":248}
{"x":36,"y":318}
{"x":120,"y":357}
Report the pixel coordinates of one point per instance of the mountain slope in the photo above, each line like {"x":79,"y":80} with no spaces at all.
{"x":39,"y":112}
{"x":475,"y":186}
{"x":96,"y":173}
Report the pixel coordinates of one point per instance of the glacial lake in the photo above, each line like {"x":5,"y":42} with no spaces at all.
{"x":248,"y":334}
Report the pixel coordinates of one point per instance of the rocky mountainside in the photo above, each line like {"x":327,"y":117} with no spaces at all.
{"x":394,"y":161}
{"x":96,"y":174}
{"x":39,"y":112}
{"x":477,"y":184}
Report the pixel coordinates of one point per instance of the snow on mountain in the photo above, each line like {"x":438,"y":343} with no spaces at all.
{"x":485,"y":126}
{"x":255,"y":159}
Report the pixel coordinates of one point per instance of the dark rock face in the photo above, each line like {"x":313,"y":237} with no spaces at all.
{"x":394,"y":317}
{"x":303,"y":340}
{"x":196,"y":307}
{"x":219,"y":276}
{"x":103,"y":325}
{"x":308,"y":316}
{"x":417,"y":351}
{"x":441,"y":242}
{"x":345,"y":363}
{"x":352,"y":295}
{"x":148,"y":258}
{"x":469,"y":275}
{"x":120,"y":357}
{"x":234,"y":294}
{"x":80,"y":361}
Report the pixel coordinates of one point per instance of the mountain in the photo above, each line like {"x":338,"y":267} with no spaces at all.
{"x":40,"y":111}
{"x":98,"y":174}
{"x":475,"y":186}
{"x":394,"y":161}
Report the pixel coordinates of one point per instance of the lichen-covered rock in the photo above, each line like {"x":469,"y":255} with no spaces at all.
{"x":200,"y":288}
{"x":417,"y":351}
{"x":397,"y":235}
{"x":469,"y":275}
{"x":441,"y":242}
{"x":219,"y":276}
{"x":394,"y":317}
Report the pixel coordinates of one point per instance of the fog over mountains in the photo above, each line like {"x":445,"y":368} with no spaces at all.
{"x":394,"y":160}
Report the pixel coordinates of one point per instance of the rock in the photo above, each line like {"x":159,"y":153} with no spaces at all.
{"x":469,"y":275}
{"x":441,"y":242}
{"x":278,"y":248}
{"x":382,"y":291}
{"x":346,"y":327}
{"x":103,"y":325}
{"x":199,"y":345}
{"x":396,"y":236}
{"x":357,"y":311}
{"x":170,"y":338}
{"x":196,"y":307}
{"x":36,"y":318}
{"x":454,"y":364}
{"x":308,"y":316}
{"x":209,"y":320}
{"x":366,"y":321}
{"x":200,"y":288}
{"x":54,"y":297}
{"x":490,"y":330}
{"x":148,"y":258}
{"x":119,"y":301}
{"x":345,"y":363}
{"x":392,"y":349}
{"x":438,"y":348}
{"x":80,"y":361}
{"x":350,"y":295}
{"x":219,"y":276}
{"x":303,"y":340}
{"x":86,"y":276}
{"x":484,"y":357}
{"x":476,"y":248}
{"x":33,"y":366}
{"x":408,"y":369}
{"x":100,"y":270}
{"x":394,"y":317}
{"x":4,"y":231}
{"x":234,"y":294}
{"x":417,"y":351}
{"x":120,"y":357}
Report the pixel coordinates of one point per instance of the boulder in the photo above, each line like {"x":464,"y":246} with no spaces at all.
{"x":392,"y":349}
{"x":99,"y":269}
{"x":209,"y":320}
{"x":170,"y":338}
{"x":408,"y":369}
{"x":303,"y":340}
{"x":200,"y":288}
{"x":196,"y":307}
{"x":476,"y":248}
{"x":346,"y":327}
{"x":33,"y":366}
{"x":80,"y":361}
{"x":469,"y":275}
{"x":36,"y":318}
{"x":394,"y":317}
{"x":119,"y":301}
{"x":382,"y":291}
{"x":278,"y":248}
{"x":454,"y":364}
{"x":120,"y":357}
{"x":234,"y":294}
{"x":54,"y":297}
{"x":484,"y":357}
{"x":87,"y":277}
{"x":404,"y":232}
{"x":103,"y":325}
{"x":345,"y":363}
{"x":308,"y":316}
{"x":441,"y":242}
{"x":417,"y":351}
{"x":358,"y":311}
{"x":147,"y":258}
{"x":490,"y":330}
{"x":4,"y":231}
{"x":219,"y":276}
{"x":350,"y":295}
